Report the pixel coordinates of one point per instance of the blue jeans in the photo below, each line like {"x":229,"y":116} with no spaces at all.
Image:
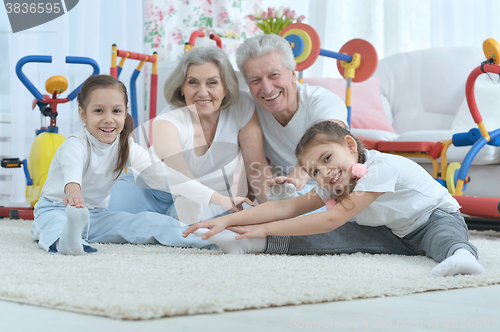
{"x":112,"y":227}
{"x":127,"y":196}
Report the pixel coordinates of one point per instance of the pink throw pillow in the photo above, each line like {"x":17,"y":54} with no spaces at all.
{"x":367,"y":111}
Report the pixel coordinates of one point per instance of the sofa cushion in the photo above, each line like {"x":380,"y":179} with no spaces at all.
{"x":367,"y":110}
{"x":425,"y":88}
{"x":374,"y":133}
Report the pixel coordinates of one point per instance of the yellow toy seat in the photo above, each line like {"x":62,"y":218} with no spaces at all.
{"x":42,"y":151}
{"x":56,"y":84}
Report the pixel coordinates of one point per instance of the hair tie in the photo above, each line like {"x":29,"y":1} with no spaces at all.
{"x":358,"y":171}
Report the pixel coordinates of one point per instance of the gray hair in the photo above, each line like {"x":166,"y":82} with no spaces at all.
{"x":264,"y":44}
{"x":199,"y":56}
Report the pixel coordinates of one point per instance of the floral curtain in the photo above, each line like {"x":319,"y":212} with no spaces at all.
{"x":169,"y":24}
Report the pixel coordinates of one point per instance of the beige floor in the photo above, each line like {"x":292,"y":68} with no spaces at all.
{"x":472,"y":309}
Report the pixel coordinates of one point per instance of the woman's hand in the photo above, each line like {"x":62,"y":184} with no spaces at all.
{"x":238,"y":202}
{"x":258,"y":231}
{"x":73,"y":195}
{"x":215,"y":225}
{"x":230,"y":204}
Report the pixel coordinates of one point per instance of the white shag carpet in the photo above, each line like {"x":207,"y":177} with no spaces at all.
{"x":152,"y":281}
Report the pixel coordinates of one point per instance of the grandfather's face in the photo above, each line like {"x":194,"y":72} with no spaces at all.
{"x":271,"y":84}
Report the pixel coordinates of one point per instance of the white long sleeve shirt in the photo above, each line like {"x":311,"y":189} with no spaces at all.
{"x":85,"y":160}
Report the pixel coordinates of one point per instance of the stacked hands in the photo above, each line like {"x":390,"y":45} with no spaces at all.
{"x":215,"y":226}
{"x":280,"y":188}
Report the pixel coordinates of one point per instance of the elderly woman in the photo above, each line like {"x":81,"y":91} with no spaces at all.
{"x":200,"y":135}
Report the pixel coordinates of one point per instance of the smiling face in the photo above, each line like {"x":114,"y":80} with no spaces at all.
{"x":104,"y":113}
{"x":203,"y":88}
{"x":271,"y":84}
{"x":330,"y":164}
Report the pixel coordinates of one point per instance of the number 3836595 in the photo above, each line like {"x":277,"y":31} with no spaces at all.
{"x":41,"y":7}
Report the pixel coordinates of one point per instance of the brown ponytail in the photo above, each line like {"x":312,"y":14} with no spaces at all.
{"x":123,"y":149}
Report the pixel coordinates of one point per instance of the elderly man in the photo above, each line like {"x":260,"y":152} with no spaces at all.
{"x":286,"y":109}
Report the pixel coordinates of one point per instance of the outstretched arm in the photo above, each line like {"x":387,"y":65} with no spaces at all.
{"x":263,"y":213}
{"x":315,"y":223}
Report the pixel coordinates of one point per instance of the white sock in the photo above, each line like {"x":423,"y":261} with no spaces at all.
{"x":70,"y":241}
{"x":461,"y":262}
{"x":188,"y":211}
{"x":226,"y":241}
{"x":281,"y":191}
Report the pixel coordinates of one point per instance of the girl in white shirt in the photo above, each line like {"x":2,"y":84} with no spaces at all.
{"x":395,"y":192}
{"x":81,"y":174}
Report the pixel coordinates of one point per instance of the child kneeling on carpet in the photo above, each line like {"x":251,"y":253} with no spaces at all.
{"x":374,"y":189}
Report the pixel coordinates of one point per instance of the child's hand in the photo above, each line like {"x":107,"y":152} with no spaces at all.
{"x":73,"y":195}
{"x":258,"y":231}
{"x":214,"y":226}
{"x":74,"y":199}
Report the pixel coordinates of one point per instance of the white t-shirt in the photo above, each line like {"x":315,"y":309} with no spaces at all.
{"x":85,"y":160}
{"x":223,"y":154}
{"x":410,"y":194}
{"x":316,"y":104}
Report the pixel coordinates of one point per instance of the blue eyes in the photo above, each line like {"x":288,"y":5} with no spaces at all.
{"x":315,"y":172}
{"x":326,"y":159}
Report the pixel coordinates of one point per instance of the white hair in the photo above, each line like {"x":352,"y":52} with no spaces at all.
{"x":265,"y":44}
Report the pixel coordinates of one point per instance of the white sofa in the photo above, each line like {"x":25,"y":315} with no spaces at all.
{"x":423,"y":97}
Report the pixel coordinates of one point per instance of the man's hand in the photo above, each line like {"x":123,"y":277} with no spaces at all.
{"x":298,"y":183}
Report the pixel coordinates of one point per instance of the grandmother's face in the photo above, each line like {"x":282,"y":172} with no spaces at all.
{"x":203,"y":88}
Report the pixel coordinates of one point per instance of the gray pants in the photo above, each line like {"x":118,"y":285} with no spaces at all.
{"x":438,"y":239}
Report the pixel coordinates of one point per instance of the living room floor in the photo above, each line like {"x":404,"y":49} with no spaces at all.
{"x":469,"y":309}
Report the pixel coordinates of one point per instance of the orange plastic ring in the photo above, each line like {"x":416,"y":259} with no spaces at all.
{"x":315,"y":44}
